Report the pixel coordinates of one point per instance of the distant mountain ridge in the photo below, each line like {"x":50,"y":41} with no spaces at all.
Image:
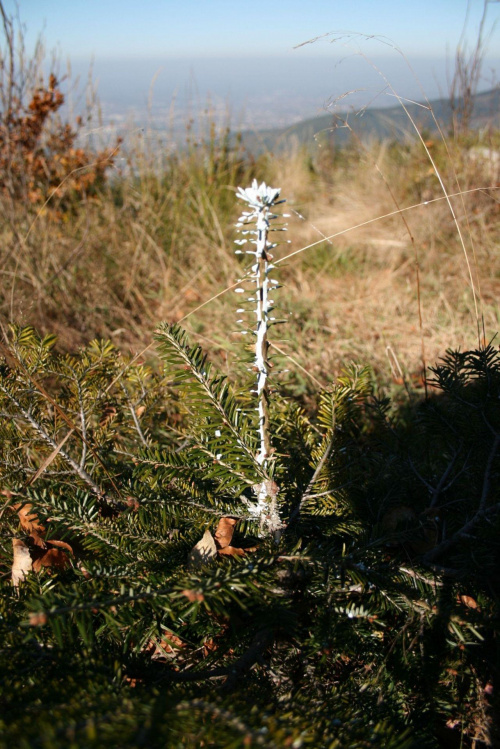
{"x":380,"y":123}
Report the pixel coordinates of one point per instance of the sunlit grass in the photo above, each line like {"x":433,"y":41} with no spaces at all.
{"x":156,"y":244}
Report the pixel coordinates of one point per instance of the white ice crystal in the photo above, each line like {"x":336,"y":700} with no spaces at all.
{"x":258,"y":195}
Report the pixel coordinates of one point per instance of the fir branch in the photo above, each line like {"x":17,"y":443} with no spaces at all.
{"x":214,"y":389}
{"x":481,"y":513}
{"x":308,"y":492}
{"x":229,"y":718}
{"x":83,"y":426}
{"x":81,"y":472}
{"x":232,"y":673}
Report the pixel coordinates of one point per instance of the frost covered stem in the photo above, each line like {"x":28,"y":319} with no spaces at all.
{"x":254,"y":226}
{"x":261,"y":269}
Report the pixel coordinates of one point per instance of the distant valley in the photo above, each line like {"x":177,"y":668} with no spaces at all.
{"x":336,"y":127}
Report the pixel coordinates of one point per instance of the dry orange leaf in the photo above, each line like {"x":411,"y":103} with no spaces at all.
{"x":60,"y":544}
{"x":233,"y":551}
{"x":51,"y":558}
{"x":468,"y":601}
{"x":170,"y":643}
{"x":29,"y":520}
{"x":224,"y":532}
{"x":37,"y":620}
{"x":209,"y":646}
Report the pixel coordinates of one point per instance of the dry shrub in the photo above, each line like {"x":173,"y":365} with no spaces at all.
{"x":39,"y":153}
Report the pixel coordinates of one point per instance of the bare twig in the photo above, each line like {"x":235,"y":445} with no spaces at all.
{"x":53,"y":455}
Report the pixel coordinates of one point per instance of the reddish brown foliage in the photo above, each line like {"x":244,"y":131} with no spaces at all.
{"x":39,"y":157}
{"x":42,"y":551}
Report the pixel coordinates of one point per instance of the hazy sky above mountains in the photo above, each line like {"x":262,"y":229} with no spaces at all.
{"x":242,"y":50}
{"x":235,"y":28}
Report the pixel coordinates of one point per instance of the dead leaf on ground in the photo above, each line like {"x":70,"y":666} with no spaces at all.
{"x":203,"y":552}
{"x":108,"y":414}
{"x":233,"y":551}
{"x":133,"y":503}
{"x":21,"y":563}
{"x":169,"y":644}
{"x":28,"y":519}
{"x":225,"y":531}
{"x":468,"y":601}
{"x":51,"y":558}
{"x":209,"y":646}
{"x":37,"y":619}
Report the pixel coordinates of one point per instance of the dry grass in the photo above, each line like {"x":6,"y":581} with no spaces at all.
{"x":158,"y":245}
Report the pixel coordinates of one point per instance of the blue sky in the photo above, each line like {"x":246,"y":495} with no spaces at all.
{"x":242,"y":53}
{"x":243,"y":28}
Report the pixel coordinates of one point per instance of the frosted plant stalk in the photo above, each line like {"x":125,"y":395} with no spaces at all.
{"x":261,"y":199}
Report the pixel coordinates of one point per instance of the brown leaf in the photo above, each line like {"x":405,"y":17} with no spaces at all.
{"x":170,"y":643}
{"x":209,"y":646}
{"x":133,"y":503}
{"x":232,"y":551}
{"x":193,"y":595}
{"x":224,"y":532}
{"x":37,"y":620}
{"x":204,"y":551}
{"x":109,"y":413}
{"x":38,"y":540}
{"x":84,"y":571}
{"x":29,"y":520}
{"x":468,"y":601}
{"x":51,"y":558}
{"x":21,"y":563}
{"x":60,"y":544}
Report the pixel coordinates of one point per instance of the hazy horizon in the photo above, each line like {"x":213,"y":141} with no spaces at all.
{"x":170,"y":60}
{"x":294,"y":89}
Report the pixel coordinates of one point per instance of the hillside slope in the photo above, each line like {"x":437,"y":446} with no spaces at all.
{"x":374,"y":123}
